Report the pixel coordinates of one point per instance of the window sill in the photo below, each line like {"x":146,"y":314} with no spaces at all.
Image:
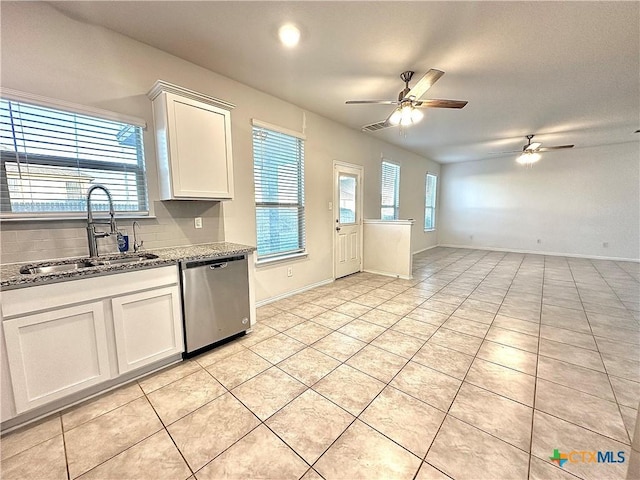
{"x":284,"y":258}
{"x":426,"y":230}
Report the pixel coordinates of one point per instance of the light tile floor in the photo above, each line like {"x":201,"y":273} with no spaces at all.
{"x":477,"y":369}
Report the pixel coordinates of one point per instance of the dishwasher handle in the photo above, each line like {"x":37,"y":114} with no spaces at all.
{"x":212,"y":263}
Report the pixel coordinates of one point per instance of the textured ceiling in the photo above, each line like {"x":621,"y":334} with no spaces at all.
{"x":566,"y":71}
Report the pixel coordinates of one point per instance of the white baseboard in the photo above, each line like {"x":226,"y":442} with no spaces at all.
{"x":293,"y":292}
{"x":387,"y":274}
{"x":536,"y":252}
{"x":424,"y":249}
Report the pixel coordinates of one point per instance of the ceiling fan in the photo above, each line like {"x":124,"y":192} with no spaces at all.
{"x":408,"y":104}
{"x":530,"y":152}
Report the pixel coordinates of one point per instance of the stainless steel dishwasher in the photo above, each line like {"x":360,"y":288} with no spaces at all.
{"x":215,"y":300}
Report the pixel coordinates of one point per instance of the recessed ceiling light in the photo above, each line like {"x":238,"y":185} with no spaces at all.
{"x":289,"y":35}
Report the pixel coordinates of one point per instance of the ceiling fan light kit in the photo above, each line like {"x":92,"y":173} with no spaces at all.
{"x":396,"y":117}
{"x":405,"y":115}
{"x":416,"y":115}
{"x":528,"y":158}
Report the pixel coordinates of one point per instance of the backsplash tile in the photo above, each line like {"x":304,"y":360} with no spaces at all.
{"x":173,"y":225}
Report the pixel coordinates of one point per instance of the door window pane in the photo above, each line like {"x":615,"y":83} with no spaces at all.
{"x":347,"y":198}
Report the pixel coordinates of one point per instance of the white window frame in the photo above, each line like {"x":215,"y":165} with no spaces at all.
{"x":434,"y":196}
{"x":396,"y":190}
{"x":61,"y":161}
{"x":301,"y":250}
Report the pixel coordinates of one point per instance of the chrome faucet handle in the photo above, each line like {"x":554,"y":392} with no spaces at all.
{"x":114,"y":226}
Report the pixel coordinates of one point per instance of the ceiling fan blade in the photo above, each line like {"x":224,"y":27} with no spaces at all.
{"x":558,"y":147}
{"x":371,"y":102}
{"x":424,"y":84}
{"x":532,"y":146}
{"x":435,"y":103}
{"x":505,"y":153}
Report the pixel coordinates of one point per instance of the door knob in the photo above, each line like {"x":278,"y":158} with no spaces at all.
{"x":337,"y":229}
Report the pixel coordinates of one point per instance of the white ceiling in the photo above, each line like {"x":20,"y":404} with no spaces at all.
{"x":566,"y":71}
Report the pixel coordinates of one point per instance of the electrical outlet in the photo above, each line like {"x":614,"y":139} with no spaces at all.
{"x":330,"y":206}
{"x":198,"y":222}
{"x":605,"y":244}
{"x":290,"y":272}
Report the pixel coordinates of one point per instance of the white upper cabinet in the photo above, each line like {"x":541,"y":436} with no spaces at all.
{"x":193,"y":141}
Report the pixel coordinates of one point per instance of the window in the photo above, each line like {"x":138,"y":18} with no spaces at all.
{"x":278,"y":170}
{"x":430,"y":202}
{"x":390,"y":191}
{"x":50,"y":157}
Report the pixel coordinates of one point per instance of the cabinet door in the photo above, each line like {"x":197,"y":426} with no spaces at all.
{"x":7,"y":405}
{"x":148,"y":327}
{"x":200,"y":149}
{"x":56,"y":353}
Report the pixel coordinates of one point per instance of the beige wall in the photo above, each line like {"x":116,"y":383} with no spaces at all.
{"x":573,"y":201}
{"x":48,"y":54}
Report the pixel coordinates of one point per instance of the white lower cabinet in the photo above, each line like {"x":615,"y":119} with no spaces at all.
{"x":148,"y":327}
{"x":7,"y":403}
{"x":56,"y":353}
{"x":66,"y":337}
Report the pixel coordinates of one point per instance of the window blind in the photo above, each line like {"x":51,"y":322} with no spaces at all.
{"x":430,"y":202}
{"x":279,"y":192}
{"x":50,"y":157}
{"x":390,"y":191}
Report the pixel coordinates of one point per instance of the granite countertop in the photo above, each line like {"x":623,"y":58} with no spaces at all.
{"x":10,"y":276}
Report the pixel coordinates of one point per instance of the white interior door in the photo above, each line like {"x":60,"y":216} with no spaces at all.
{"x":347,"y":208}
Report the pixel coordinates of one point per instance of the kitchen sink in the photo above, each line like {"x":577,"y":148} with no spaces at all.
{"x":57,"y":268}
{"x":61,"y":267}
{"x":124,"y":260}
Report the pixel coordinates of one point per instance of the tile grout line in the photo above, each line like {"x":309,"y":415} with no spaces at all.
{"x":64,"y":446}
{"x":535,"y":383}
{"x":600,"y":354}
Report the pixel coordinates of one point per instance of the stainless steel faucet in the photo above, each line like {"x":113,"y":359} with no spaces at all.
{"x":136,"y":246}
{"x":92,"y":235}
